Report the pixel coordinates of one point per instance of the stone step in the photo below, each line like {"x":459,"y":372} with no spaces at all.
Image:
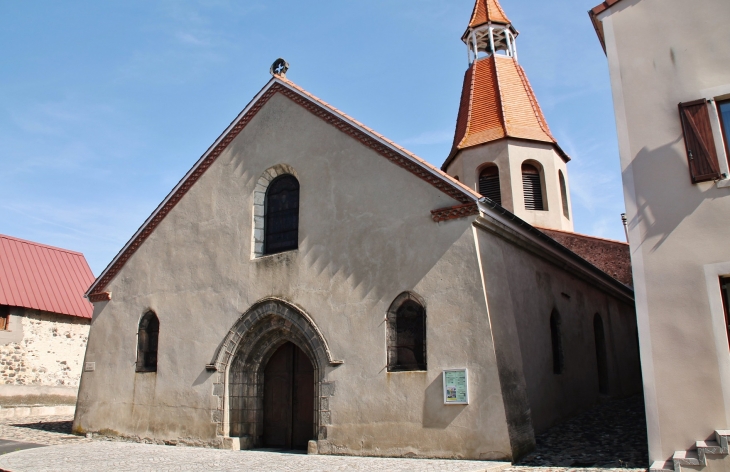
{"x":722,"y":437}
{"x":36,"y":410}
{"x":707,"y":447}
{"x":681,"y":458}
{"x":662,"y":466}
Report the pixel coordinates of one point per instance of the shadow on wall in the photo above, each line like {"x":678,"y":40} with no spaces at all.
{"x":669,"y":173}
{"x":436,"y":415}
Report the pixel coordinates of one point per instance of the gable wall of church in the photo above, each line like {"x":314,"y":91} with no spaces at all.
{"x":365,"y":236}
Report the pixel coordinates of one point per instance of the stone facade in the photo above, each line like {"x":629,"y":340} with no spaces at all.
{"x":42,"y":349}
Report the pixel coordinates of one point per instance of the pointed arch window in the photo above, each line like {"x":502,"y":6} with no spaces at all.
{"x":532,"y":187}
{"x":557,"y":342}
{"x":489,"y":184}
{"x":564,"y":194}
{"x":281,"y":215}
{"x":406,"y":333}
{"x":147,"y":336}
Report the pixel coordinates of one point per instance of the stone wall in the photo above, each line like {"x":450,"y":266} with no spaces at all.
{"x":42,"y":349}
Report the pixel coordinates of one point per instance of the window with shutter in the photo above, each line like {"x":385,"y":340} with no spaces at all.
{"x":698,"y":140}
{"x":725,"y":289}
{"x":489,"y":184}
{"x":532,"y":187}
{"x":564,"y":194}
{"x":147,"y":337}
{"x":281,"y":215}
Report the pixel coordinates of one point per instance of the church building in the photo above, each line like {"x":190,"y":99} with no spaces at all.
{"x":311,"y":284}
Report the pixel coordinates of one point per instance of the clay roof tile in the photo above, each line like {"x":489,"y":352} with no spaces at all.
{"x":487,"y":11}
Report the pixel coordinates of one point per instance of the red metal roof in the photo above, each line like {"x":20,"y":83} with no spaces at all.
{"x":44,"y":278}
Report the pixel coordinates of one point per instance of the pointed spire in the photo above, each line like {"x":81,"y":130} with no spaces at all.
{"x":487,"y":11}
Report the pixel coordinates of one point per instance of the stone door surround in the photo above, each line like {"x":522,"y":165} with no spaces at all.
{"x":242,"y":357}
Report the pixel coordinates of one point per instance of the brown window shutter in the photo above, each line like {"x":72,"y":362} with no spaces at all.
{"x":701,"y":152}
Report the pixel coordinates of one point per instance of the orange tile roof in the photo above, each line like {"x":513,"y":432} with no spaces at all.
{"x":498,"y":102}
{"x":486,"y":11}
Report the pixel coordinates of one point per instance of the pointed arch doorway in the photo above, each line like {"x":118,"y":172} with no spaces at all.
{"x":288,"y":399}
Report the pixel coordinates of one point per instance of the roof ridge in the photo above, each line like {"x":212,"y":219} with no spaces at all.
{"x":533,"y":101}
{"x":471,"y":104}
{"x":573,"y":233}
{"x":500,"y":105}
{"x":34,"y":243}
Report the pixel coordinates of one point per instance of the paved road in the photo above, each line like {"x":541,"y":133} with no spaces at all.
{"x":13,"y":446}
{"x":123,"y":457}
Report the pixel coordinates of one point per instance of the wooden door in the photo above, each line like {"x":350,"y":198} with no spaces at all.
{"x":288,"y":399}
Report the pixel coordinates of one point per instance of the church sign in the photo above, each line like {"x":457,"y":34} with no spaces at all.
{"x":456,"y":387}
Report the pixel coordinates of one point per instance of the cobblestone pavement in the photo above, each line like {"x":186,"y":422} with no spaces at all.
{"x":612,"y":435}
{"x":123,"y":457}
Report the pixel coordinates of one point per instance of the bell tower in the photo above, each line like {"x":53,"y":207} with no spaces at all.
{"x":503,"y":147}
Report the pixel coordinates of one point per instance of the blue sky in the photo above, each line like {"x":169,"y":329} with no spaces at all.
{"x":105,"y":105}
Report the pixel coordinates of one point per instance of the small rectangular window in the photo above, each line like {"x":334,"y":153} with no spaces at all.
{"x":723,"y":109}
{"x":4,"y":317}
{"x":725,"y":289}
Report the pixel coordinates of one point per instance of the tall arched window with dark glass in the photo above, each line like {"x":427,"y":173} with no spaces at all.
{"x":407,"y":334}
{"x":149,"y":331}
{"x":281,"y":215}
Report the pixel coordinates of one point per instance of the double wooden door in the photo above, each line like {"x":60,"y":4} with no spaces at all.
{"x":288,"y":399}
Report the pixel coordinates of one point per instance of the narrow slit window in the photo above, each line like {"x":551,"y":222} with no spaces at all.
{"x":557,"y":343}
{"x":147,"y":338}
{"x":489,"y":184}
{"x":532,"y":187}
{"x":564,"y":194}
{"x":406,"y":334}
{"x":601,"y":354}
{"x":281,"y":215}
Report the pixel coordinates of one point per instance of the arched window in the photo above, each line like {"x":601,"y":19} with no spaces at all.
{"x":149,"y":330}
{"x":601,"y":355}
{"x":406,"y":334}
{"x":489,"y":184}
{"x":532,"y":187}
{"x":281,"y":215}
{"x":564,"y":194}
{"x":557,"y":342}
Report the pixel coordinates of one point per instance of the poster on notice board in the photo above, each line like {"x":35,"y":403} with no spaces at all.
{"x":456,"y":387}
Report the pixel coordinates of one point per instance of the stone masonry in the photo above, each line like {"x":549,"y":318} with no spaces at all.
{"x":43,"y":349}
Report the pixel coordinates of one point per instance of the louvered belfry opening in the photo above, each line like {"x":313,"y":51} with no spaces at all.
{"x":406,"y":334}
{"x":281,"y":210}
{"x":489,"y":184}
{"x":532,"y":187}
{"x":147,"y":336}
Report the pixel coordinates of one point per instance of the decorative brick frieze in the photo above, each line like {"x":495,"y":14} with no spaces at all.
{"x":454,"y":212}
{"x":100,"y":297}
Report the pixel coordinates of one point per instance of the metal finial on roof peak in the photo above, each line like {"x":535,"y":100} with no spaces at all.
{"x":279,"y":68}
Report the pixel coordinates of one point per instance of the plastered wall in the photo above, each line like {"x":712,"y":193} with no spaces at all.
{"x":678,"y":231}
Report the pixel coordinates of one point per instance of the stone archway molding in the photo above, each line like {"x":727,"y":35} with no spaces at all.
{"x":265,"y":307}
